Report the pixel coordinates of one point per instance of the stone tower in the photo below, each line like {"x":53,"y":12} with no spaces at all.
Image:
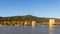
{"x":33,"y":23}
{"x":51,"y":23}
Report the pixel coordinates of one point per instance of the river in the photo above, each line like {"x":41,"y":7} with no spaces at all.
{"x":29,"y":30}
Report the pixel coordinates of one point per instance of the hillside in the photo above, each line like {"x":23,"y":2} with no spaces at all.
{"x":27,"y":17}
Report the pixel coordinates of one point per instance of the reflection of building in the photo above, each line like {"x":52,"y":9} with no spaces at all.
{"x":51,"y":31}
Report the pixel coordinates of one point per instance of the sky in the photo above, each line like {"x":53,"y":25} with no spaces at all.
{"x":40,"y":8}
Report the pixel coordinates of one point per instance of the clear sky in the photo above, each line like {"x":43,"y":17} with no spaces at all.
{"x":40,"y":8}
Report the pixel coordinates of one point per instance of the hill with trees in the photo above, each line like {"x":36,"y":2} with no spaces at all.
{"x":27,"y":18}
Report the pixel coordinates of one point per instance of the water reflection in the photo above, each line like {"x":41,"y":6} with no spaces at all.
{"x":33,"y":26}
{"x":51,"y":29}
{"x":30,"y":30}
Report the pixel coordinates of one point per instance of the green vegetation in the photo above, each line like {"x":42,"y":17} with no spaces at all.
{"x":26,"y":18}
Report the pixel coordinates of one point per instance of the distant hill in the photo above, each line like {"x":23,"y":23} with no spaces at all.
{"x":27,"y":18}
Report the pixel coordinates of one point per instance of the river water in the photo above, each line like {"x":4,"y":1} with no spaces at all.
{"x":29,"y":30}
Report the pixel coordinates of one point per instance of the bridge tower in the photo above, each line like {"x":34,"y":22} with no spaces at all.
{"x":51,"y":23}
{"x":33,"y":24}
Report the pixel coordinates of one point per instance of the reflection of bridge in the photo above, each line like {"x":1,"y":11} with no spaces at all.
{"x":48,"y":24}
